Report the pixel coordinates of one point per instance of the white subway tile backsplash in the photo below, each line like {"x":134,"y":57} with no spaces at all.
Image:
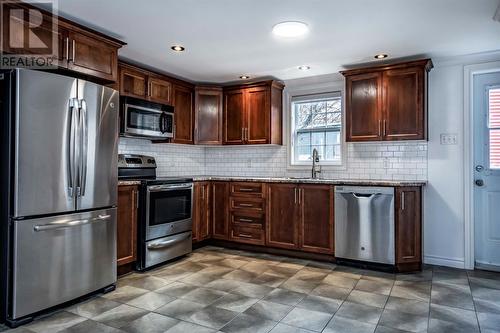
{"x":378,"y":161}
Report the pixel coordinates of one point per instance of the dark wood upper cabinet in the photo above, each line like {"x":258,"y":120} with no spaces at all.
{"x":253,"y":113}
{"x":92,"y":56}
{"x":208,"y":115}
{"x":404,"y":115}
{"x":75,"y":47}
{"x":132,"y":82}
{"x":408,"y":225}
{"x":316,"y":218}
{"x":159,"y":90}
{"x":219,"y":196}
{"x":126,"y":238}
{"x":388,"y":102}
{"x":281,"y":224}
{"x":183,"y":114}
{"x":363,"y":107}
{"x":234,"y":116}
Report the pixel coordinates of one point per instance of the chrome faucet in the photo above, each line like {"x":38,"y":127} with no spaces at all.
{"x":315,"y":168}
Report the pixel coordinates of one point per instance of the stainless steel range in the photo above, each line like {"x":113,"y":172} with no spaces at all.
{"x":165,"y":211}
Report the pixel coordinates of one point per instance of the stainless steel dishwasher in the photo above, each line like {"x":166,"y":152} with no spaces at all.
{"x":364,"y":223}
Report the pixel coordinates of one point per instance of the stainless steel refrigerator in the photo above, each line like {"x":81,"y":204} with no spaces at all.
{"x":61,"y":182}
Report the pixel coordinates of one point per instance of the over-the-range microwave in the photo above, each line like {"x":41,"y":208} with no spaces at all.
{"x":139,"y":118}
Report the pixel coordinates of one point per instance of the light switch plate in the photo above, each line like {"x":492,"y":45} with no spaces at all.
{"x":449,"y":138}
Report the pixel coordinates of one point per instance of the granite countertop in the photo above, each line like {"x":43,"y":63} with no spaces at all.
{"x":297,"y":180}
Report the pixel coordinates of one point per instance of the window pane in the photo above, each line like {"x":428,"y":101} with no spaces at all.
{"x":318,"y":138}
{"x":329,"y":153}
{"x":332,"y":138}
{"x":303,"y":153}
{"x":303,"y":139}
{"x":495,"y":149}
{"x":333,"y":105}
{"x":337,"y":151}
{"x":494,"y":108}
{"x":320,"y":150}
{"x":302,"y":115}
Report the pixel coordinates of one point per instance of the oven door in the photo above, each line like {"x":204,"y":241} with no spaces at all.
{"x":168,"y":209}
{"x":147,"y":122}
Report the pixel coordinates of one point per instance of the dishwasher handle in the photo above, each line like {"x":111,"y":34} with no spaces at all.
{"x":364,"y":195}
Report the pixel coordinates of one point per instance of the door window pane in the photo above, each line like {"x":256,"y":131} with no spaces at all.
{"x":494,"y":127}
{"x":495,"y":149}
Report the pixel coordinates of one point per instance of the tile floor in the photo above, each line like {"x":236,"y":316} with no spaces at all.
{"x":216,"y":289}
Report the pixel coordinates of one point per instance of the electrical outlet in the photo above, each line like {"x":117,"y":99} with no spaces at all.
{"x":449,"y":138}
{"x":387,"y":164}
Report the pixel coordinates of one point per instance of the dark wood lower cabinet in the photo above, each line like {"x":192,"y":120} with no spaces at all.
{"x":408,"y":220}
{"x":201,"y":211}
{"x":126,"y":239}
{"x":281,"y":224}
{"x":316,"y":218}
{"x":219,"y":196}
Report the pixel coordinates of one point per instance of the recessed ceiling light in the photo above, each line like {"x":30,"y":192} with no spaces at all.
{"x":380,"y":56}
{"x":178,"y":48}
{"x":290,"y":29}
{"x":304,"y":68}
{"x":244,"y":77}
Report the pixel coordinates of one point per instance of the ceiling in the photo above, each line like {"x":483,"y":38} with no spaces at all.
{"x":227,"y":38}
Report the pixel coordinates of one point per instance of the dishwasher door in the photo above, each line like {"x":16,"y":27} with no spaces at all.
{"x":364,"y":223}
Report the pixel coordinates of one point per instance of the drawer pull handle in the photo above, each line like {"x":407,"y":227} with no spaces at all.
{"x":245,"y":235}
{"x":245,"y":189}
{"x":245,"y":205}
{"x":244,"y":220}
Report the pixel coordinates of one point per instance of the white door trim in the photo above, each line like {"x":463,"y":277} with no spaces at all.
{"x":469,"y":72}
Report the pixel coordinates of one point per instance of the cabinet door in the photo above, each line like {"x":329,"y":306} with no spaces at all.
{"x":281,"y":226}
{"x":126,"y":241}
{"x":183,"y":114}
{"x":92,"y":56}
{"x":159,"y":90}
{"x":363,"y":107}
{"x":132,"y":83}
{"x":408,"y":226}
{"x":316,"y":218}
{"x":258,"y":112}
{"x":234,"y":111}
{"x":404,"y":104}
{"x":201,"y":216}
{"x":219,"y":197}
{"x":208,"y":116}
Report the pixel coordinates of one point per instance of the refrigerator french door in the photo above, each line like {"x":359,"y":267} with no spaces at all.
{"x":64,"y":195}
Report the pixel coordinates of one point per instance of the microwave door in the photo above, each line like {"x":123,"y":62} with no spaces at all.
{"x":144,"y":122}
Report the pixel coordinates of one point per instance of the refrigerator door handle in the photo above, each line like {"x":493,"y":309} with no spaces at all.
{"x":71,"y":146}
{"x":83,"y":146}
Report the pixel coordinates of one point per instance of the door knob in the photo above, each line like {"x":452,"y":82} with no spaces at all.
{"x":479,"y":182}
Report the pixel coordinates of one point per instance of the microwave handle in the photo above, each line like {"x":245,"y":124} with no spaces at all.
{"x":163,"y":117}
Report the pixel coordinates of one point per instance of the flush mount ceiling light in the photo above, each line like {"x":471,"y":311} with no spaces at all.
{"x":290,"y":29}
{"x":178,"y":48}
{"x":244,"y":77}
{"x":380,"y":56}
{"x":304,"y":68}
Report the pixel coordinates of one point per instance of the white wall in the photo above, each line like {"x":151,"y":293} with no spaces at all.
{"x":444,"y":201}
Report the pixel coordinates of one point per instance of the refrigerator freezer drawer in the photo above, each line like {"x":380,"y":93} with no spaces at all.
{"x":57,"y":259}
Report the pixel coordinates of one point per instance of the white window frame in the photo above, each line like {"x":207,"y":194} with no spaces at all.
{"x":332,"y":88}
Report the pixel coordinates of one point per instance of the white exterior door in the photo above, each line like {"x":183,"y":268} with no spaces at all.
{"x":487,"y":170}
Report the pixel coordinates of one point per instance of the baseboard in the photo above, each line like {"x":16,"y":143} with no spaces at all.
{"x":443,"y":261}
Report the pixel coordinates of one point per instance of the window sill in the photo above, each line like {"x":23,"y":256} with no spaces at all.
{"x":326,"y":167}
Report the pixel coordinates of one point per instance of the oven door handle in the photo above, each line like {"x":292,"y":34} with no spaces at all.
{"x":160,"y":188}
{"x":167,"y":243}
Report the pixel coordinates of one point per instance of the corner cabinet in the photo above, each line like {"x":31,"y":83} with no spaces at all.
{"x":208,"y":115}
{"x":253,"y":114}
{"x":126,"y":238}
{"x":387,"y":103}
{"x":183,"y":98}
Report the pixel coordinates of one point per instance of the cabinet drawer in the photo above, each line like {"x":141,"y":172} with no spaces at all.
{"x":247,"y":217}
{"x":246,"y":234}
{"x":251,"y":204}
{"x":248,"y":189}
